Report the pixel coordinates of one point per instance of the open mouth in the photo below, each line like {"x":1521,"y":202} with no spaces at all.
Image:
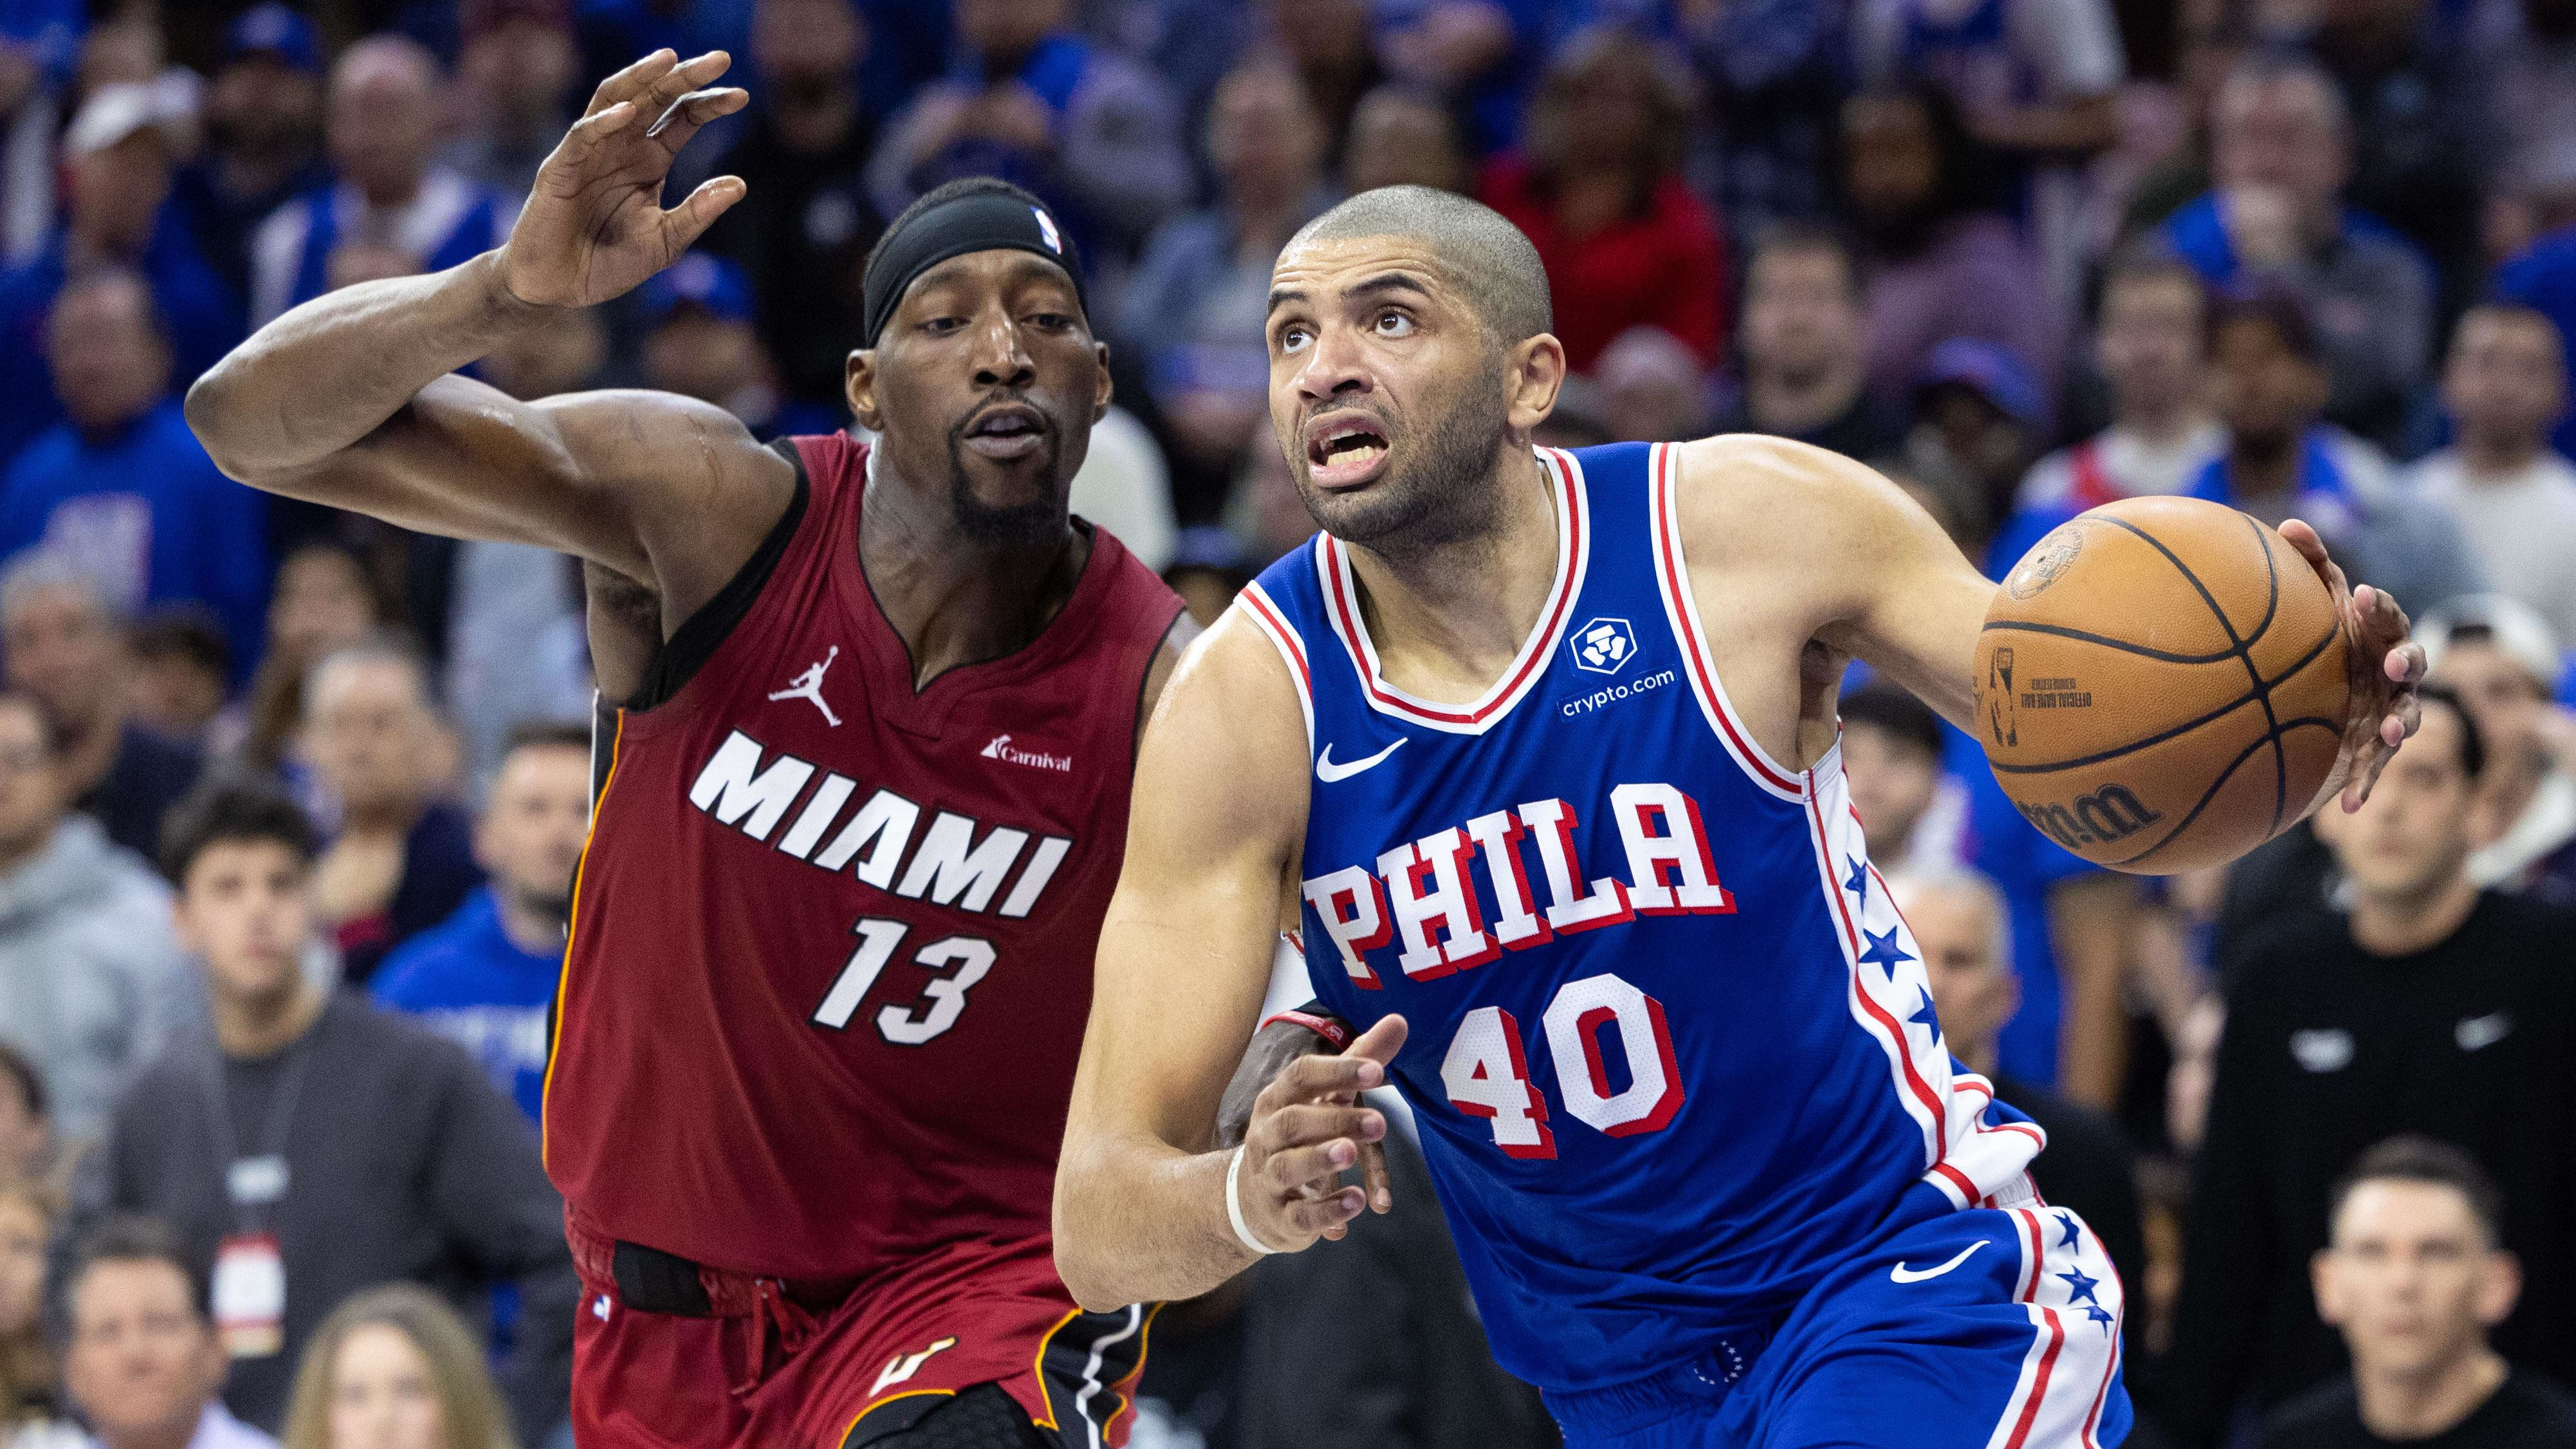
{"x":1344,"y":451}
{"x":1006,"y":431}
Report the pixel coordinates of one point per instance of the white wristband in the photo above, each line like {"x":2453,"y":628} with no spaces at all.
{"x":1234,"y":1207}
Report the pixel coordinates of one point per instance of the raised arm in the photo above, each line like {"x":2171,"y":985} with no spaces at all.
{"x":350,"y":400}
{"x":1213,"y":833}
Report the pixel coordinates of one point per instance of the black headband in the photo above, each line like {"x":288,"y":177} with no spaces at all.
{"x":978,"y":221}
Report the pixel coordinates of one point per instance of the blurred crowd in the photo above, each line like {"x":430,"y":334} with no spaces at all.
{"x":290,"y":800}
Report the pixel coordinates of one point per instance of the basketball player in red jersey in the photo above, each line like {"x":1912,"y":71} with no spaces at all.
{"x":865,"y":797}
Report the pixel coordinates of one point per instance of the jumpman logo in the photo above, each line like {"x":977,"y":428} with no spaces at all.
{"x":808,"y":686}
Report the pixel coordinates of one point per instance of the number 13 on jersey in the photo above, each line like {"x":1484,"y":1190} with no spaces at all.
{"x":1486,"y":1072}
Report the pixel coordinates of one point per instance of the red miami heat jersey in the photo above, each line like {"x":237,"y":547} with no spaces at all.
{"x":832,"y":939}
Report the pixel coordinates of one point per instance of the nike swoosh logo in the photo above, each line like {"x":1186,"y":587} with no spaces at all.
{"x":1902,"y":1274}
{"x":1328,"y":772}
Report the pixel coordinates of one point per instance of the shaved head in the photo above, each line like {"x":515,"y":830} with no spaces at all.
{"x":1493,"y":266}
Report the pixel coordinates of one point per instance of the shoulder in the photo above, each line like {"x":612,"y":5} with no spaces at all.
{"x":2541,"y":1402}
{"x":1779,"y":489}
{"x":425,"y":970}
{"x":2283,"y":956}
{"x":2435,"y":475}
{"x":2047,"y":482}
{"x":393,"y":1047}
{"x":2326,"y":1415}
{"x":2525,"y":922}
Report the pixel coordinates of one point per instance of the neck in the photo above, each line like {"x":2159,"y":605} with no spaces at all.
{"x":1464,"y":606}
{"x":159,"y":1436}
{"x":395,"y":194}
{"x":393,"y":815}
{"x":262,"y":1024}
{"x":257,"y":173}
{"x":1789,"y":402}
{"x":89,"y":748}
{"x":2491,"y":453}
{"x":814,"y":115}
{"x":1978,"y":1057}
{"x":2264,"y":466}
{"x":2432,"y":1401}
{"x":957,"y":600}
{"x":531,"y":928}
{"x":15,"y":854}
{"x":1264,"y":221}
{"x":2162,"y":423}
{"x":2403,"y":924}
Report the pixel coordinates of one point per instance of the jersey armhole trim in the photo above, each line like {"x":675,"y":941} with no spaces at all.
{"x":1681,"y":612}
{"x":704,"y":632}
{"x":1266,"y":615}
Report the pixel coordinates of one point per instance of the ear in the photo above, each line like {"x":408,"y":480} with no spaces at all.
{"x":2007,"y":988}
{"x":2499,"y":1287}
{"x":2329,"y":1288}
{"x":483,"y":846}
{"x":1533,"y":373}
{"x":1107,"y":388}
{"x":859,"y":385}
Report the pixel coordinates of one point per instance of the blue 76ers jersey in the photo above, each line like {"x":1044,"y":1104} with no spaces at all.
{"x":1673,"y":1052}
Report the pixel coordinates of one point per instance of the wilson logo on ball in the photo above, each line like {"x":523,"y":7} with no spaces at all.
{"x":1603,"y":646}
{"x":2108,"y":814}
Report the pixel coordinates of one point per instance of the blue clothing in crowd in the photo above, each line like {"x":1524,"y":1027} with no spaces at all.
{"x":142,"y":510}
{"x":452,"y":221}
{"x":468,"y":981}
{"x":202,"y":315}
{"x":2026,"y":866}
{"x":2543,"y":278}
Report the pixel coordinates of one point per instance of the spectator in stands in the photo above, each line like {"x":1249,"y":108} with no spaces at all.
{"x":395,"y":1368}
{"x":38,"y":40}
{"x":117,"y":154}
{"x":2282,"y":460}
{"x":1941,"y":259}
{"x":1035,"y":103}
{"x":2543,"y":278}
{"x":63,"y":647}
{"x":144,"y":1363}
{"x":1653,"y":389}
{"x":1773,"y":75}
{"x":1979,"y":419}
{"x":121,"y":489}
{"x":1805,"y":371}
{"x":1958,"y":921}
{"x":485,"y":976}
{"x":699,"y":342}
{"x":2527,"y":67}
{"x":388,"y":1156}
{"x":263,"y":136}
{"x":182,"y":671}
{"x":1913,"y":814}
{"x":394,"y":209}
{"x":91,"y":981}
{"x":1598,"y":186}
{"x":2514,"y":495}
{"x":2417,"y":109}
{"x":2430,"y":1006}
{"x":2280,"y":155}
{"x":1401,"y":135}
{"x":803,"y":229}
{"x":2415,"y":1274}
{"x":1198,"y":303}
{"x":324,"y":601}
{"x":1487,"y":53}
{"x":2503,"y":660}
{"x":2152,"y":346}
{"x":31,"y":1410}
{"x":403,"y":857}
{"x":26,"y":1128}
{"x":518,"y":69}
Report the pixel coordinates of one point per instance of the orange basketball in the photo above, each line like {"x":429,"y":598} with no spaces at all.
{"x":2162,"y":684}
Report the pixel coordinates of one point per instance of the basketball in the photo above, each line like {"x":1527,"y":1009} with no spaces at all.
{"x":2162,"y":684}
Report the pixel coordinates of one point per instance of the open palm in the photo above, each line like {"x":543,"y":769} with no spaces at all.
{"x":594,"y":226}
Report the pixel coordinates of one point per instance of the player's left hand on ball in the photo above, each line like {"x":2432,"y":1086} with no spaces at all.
{"x":1308,"y":1127}
{"x":2383,"y":667}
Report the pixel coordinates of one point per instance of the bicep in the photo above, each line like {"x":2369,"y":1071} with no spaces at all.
{"x":1185,"y":949}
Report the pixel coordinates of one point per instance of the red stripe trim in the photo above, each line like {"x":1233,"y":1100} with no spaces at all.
{"x":2093,"y":1416}
{"x":2038,"y":1254}
{"x":1956,"y":1178}
{"x":1533,"y":659}
{"x":2039,"y":1381}
{"x":1904,"y":1049}
{"x":1667,"y":528}
{"x":1278,"y":628}
{"x":1332,"y":1031}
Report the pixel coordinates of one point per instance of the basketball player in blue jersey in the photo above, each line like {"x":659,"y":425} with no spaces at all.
{"x":1541,"y":748}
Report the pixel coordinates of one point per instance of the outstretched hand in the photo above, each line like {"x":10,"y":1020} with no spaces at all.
{"x":2383,"y":669}
{"x":593,"y":227}
{"x":1307,"y":1128}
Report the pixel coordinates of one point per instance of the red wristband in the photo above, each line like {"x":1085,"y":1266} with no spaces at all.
{"x":1330,"y":1030}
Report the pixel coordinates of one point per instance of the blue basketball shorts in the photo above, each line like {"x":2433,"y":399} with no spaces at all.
{"x":1992,"y":1328}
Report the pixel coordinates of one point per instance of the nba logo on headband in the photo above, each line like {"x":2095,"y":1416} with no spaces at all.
{"x":1046,"y":228}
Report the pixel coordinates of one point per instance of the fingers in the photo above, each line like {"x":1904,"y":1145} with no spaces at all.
{"x":2305,"y":540}
{"x":1316,"y":1166}
{"x":631,"y":82}
{"x":682,"y":118}
{"x":1327,"y":1216}
{"x":1381,"y":1042}
{"x":1373,"y":1177}
{"x":2405,"y":664}
{"x":1309,"y":1079}
{"x":683,"y":224}
{"x":1306,"y":1123}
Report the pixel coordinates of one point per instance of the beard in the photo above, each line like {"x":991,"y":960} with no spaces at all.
{"x":1036,"y":521}
{"x":1436,"y":492}
{"x":552,"y":906}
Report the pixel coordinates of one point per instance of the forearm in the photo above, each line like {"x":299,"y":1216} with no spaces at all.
{"x":1139,"y":1221}
{"x":2088,"y":924}
{"x":325,"y":375}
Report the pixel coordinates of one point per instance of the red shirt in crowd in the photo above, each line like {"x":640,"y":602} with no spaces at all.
{"x":1667,"y":267}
